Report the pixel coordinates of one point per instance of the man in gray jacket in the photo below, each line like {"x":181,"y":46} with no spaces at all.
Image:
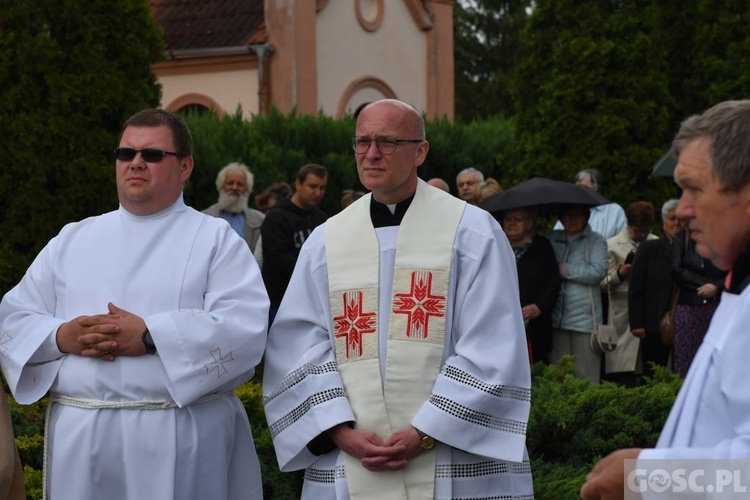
{"x":234,"y":184}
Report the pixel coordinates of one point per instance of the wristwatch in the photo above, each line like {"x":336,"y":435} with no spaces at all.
{"x":426,"y":442}
{"x":148,"y":342}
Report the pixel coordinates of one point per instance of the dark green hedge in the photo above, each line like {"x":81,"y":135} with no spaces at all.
{"x":277,"y":145}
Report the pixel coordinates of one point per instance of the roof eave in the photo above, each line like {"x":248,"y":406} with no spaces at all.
{"x":209,"y":52}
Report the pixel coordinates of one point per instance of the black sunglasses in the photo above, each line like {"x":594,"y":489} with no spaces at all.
{"x":148,"y":154}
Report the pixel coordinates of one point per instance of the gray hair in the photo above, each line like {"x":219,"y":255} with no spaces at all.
{"x":668,"y":206}
{"x":593,"y":175}
{"x":238,"y":167}
{"x":471,"y":170}
{"x":726,"y":127}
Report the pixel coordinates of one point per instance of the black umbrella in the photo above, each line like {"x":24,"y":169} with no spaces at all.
{"x":664,"y":166}
{"x":542,"y":192}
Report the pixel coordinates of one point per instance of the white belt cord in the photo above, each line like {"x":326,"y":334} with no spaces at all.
{"x":96,"y":404}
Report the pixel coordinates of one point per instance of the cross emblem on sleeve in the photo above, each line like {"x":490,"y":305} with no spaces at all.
{"x":218,"y":362}
{"x":4,"y":339}
{"x":419,"y":304}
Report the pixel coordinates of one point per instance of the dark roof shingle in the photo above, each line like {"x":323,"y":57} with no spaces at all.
{"x":205,"y":24}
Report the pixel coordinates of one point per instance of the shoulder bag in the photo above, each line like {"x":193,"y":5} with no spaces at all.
{"x":666,"y":323}
{"x":603,"y":337}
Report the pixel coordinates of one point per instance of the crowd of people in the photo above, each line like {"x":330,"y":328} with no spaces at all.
{"x":396,"y":358}
{"x":585,"y":280}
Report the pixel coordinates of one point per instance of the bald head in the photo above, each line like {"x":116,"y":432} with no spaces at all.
{"x":411,"y":116}
{"x":389,"y":146}
{"x":439,"y":183}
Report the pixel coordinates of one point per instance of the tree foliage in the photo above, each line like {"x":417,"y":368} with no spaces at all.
{"x":277,"y":145}
{"x":487,"y":48}
{"x":593,"y":93}
{"x":601,"y":84}
{"x":708,"y":55}
{"x":70,"y":74}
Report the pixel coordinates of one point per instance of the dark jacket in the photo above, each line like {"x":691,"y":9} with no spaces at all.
{"x":740,"y":273}
{"x":690,"y":271}
{"x":650,"y":284}
{"x":539,"y":283}
{"x":284,"y":231}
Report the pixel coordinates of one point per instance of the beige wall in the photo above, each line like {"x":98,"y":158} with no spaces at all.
{"x":394,"y":54}
{"x":221,"y":82}
{"x":329,"y":55}
{"x":228,"y":89}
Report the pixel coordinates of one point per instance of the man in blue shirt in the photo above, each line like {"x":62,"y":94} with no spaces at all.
{"x":234,"y":184}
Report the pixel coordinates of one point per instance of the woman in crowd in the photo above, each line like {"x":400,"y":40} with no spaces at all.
{"x":699,"y":283}
{"x":651,"y":289}
{"x":271,"y":195}
{"x":582,"y":262}
{"x":538,"y":279}
{"x":623,"y":365}
{"x":349,"y":196}
{"x":486,"y":189}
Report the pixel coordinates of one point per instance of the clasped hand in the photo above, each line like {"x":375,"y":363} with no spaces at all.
{"x":378,"y":454}
{"x":103,"y":336}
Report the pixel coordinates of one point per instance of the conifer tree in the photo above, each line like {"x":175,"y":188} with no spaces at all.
{"x":71,"y":71}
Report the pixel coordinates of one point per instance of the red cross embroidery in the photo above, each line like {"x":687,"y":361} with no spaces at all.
{"x":353,"y":324}
{"x":419,"y":304}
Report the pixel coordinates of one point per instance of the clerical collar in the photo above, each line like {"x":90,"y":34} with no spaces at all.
{"x":381,"y":216}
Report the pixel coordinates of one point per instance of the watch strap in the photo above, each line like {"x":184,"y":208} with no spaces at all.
{"x":148,"y":341}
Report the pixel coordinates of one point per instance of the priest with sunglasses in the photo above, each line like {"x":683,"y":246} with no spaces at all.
{"x":397,"y":365}
{"x":139,"y":323}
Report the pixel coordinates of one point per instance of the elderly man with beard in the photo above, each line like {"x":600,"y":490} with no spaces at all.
{"x":235,"y":183}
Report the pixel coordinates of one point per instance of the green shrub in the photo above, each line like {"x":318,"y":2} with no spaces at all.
{"x":572,"y":424}
{"x":33,"y":481}
{"x":276,"y":484}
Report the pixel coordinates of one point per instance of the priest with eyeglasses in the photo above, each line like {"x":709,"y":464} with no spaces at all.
{"x":397,"y":365}
{"x":139,"y":323}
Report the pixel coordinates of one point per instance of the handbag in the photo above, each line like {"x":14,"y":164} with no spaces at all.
{"x":603,"y":337}
{"x":666,"y":324}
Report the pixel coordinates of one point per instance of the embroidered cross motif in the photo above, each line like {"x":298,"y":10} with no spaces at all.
{"x":353,"y":323}
{"x":193,"y":312}
{"x":419,"y":305}
{"x":4,"y":339}
{"x":218,"y":362}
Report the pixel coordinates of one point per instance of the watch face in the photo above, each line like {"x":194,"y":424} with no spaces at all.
{"x":427,"y":443}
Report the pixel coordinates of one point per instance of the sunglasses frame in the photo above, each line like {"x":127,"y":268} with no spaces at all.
{"x":149,"y":155}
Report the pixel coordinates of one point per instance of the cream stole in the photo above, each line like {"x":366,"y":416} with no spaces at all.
{"x":416,"y":331}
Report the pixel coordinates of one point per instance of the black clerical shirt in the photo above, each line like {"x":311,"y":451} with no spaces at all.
{"x":381,"y":216}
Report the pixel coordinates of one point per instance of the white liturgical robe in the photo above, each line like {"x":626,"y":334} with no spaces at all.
{"x":479,"y":403}
{"x":197,"y":287}
{"x":711,"y":417}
